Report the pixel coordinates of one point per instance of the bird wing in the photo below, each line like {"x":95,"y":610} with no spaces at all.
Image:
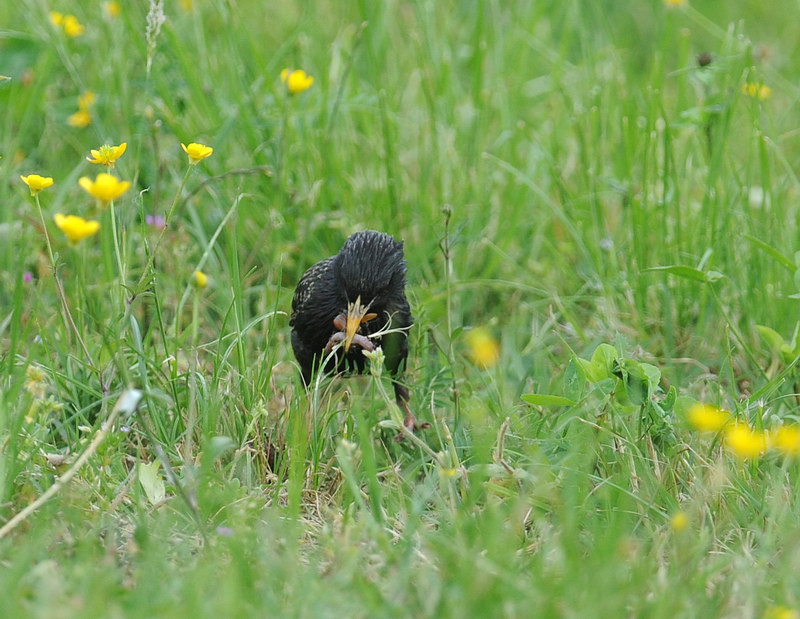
{"x":304,"y":293}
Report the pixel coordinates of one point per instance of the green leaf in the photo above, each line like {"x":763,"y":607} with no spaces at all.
{"x":606,"y":386}
{"x":682,"y":271}
{"x":585,"y":367}
{"x":669,"y":402}
{"x":151,"y":481}
{"x":773,"y":339}
{"x":604,"y":360}
{"x":636,"y":382}
{"x":653,"y":375}
{"x":682,"y":405}
{"x":218,"y":445}
{"x":541,"y":399}
{"x":780,"y":258}
{"x":574,"y":380}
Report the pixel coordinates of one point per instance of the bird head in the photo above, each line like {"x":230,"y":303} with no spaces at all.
{"x":357,"y":314}
{"x":370,"y":273}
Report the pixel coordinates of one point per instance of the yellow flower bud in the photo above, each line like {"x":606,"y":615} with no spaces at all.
{"x":199,"y":279}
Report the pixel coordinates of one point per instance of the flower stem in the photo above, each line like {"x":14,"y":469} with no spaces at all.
{"x":279,"y":157}
{"x":167,"y":221}
{"x":120,"y":267}
{"x":46,"y":234}
{"x":69,"y":322}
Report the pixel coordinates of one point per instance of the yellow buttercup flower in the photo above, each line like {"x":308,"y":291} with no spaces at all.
{"x":199,"y":279}
{"x":679,"y":521}
{"x":483,"y":348}
{"x":76,"y":228}
{"x":80,"y":119}
{"x":36,"y":183}
{"x":744,"y":442}
{"x":786,"y":440}
{"x":197,"y":152}
{"x":56,"y":18}
{"x":106,"y":187}
{"x":85,"y":100}
{"x":72,"y":27}
{"x":112,"y":8}
{"x":761,"y":92}
{"x":296,"y":80}
{"x":107,"y":155}
{"x":706,"y":418}
{"x":781,"y":612}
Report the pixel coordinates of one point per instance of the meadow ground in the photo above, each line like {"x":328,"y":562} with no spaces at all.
{"x":599,"y":202}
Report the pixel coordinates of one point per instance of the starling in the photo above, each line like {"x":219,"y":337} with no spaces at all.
{"x":351,"y":300}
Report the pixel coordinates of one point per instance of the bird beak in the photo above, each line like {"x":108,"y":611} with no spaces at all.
{"x":356,"y":315}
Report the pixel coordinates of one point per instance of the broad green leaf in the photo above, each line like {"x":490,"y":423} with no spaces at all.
{"x":773,"y":339}
{"x":636,"y":381}
{"x":607,"y":385}
{"x":152,"y":484}
{"x":585,"y":367}
{"x":574,"y":381}
{"x":653,"y":377}
{"x":541,"y":399}
{"x":603,"y":362}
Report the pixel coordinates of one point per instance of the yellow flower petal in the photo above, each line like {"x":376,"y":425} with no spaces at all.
{"x":56,"y":18}
{"x":706,"y":418}
{"x":85,"y":100}
{"x":483,"y":348}
{"x":679,"y":521}
{"x":762,"y":92}
{"x":106,"y":187}
{"x":76,"y":228}
{"x":72,"y":26}
{"x":781,"y":612}
{"x":199,"y":279}
{"x":786,"y":439}
{"x":296,"y":81}
{"x":36,"y":183}
{"x":107,"y":155}
{"x":197,"y":152}
{"x":112,"y":8}
{"x":744,"y":442}
{"x":80,"y":119}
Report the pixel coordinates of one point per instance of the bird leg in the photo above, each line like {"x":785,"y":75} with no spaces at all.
{"x":410,"y":422}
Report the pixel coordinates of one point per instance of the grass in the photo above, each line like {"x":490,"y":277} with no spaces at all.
{"x":564,"y":174}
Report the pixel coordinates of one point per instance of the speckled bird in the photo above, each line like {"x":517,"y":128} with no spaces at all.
{"x":349,"y":298}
